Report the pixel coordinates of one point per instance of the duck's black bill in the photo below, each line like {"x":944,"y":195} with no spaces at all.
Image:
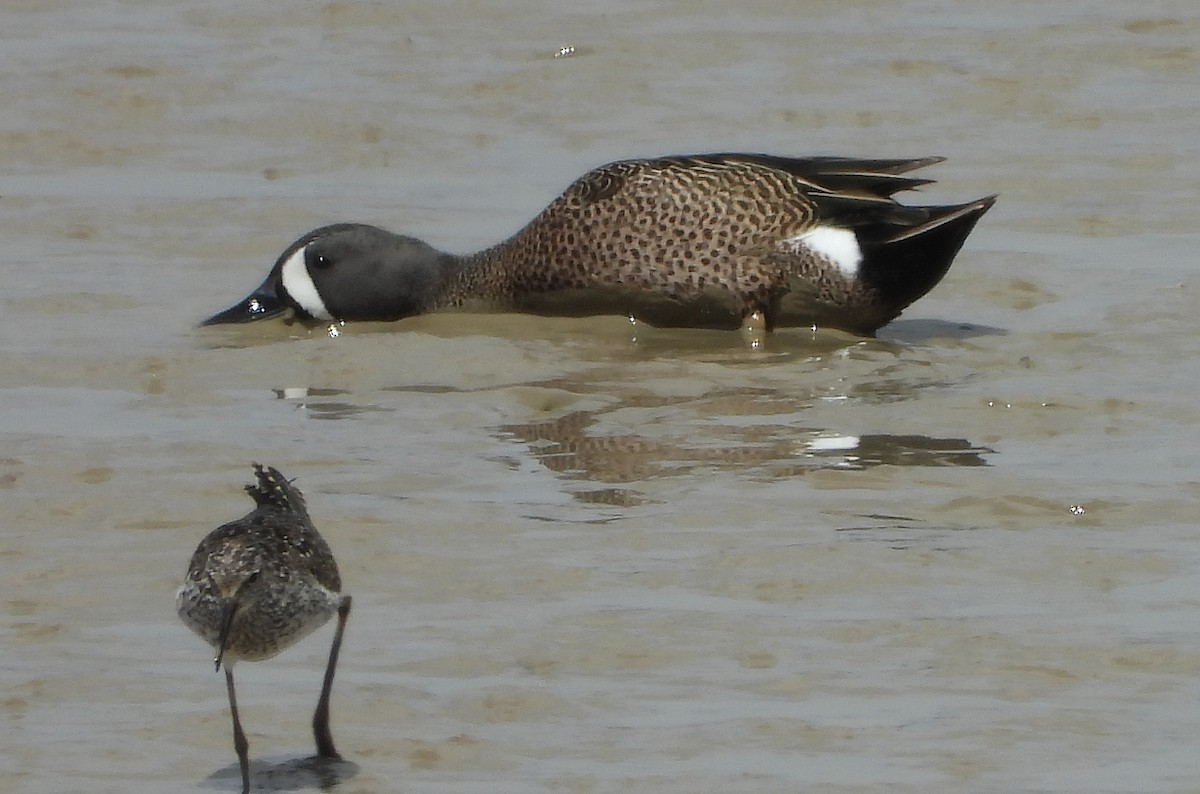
{"x":264,"y":302}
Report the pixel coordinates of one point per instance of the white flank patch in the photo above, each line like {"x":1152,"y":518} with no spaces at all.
{"x":299,"y":285}
{"x":839,"y":246}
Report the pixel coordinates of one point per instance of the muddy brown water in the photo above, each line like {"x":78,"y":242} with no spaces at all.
{"x":587,"y":555}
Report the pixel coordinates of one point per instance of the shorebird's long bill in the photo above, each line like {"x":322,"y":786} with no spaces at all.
{"x":227,"y":612}
{"x":264,"y":302}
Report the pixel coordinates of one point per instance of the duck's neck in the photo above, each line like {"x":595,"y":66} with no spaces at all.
{"x":484,"y":275}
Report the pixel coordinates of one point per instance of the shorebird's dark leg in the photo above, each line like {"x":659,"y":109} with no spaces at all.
{"x":229,"y":610}
{"x":325,"y":747}
{"x":239,"y":737}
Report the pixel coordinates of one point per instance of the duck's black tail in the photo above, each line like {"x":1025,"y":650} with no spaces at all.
{"x":907,"y":250}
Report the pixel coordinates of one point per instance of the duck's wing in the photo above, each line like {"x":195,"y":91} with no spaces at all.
{"x":852,"y":178}
{"x":849,"y":176}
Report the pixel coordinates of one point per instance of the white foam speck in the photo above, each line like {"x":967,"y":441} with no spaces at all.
{"x":839,"y":246}
{"x":299,"y":285}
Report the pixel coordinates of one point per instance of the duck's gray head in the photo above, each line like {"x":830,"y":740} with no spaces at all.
{"x":347,"y":271}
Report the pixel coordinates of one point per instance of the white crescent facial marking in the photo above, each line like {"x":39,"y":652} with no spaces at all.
{"x":299,"y":285}
{"x":839,"y":246}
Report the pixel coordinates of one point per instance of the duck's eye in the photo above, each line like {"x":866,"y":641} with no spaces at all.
{"x":317,"y":260}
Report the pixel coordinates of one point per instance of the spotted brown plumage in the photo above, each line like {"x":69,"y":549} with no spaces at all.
{"x":700,"y":241}
{"x":258,"y":585}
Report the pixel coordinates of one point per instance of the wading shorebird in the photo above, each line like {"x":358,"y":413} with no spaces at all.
{"x":708,"y":240}
{"x":257,"y":585}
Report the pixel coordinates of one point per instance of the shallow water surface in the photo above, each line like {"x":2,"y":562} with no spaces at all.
{"x":588,"y":555}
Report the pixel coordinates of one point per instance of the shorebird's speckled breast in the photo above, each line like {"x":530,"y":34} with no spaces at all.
{"x":676,"y":234}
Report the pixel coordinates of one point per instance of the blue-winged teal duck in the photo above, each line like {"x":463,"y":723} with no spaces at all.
{"x":257,"y":585}
{"x":696,"y":241}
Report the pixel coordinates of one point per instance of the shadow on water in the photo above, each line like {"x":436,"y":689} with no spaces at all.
{"x":568,"y":447}
{"x":293,"y":774}
{"x":678,"y":401}
{"x":913,"y":332}
{"x":864,"y":452}
{"x":767,"y":419}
